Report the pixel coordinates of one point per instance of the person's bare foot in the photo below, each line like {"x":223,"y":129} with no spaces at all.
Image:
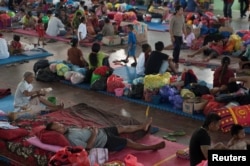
{"x":147,"y":123}
{"x":190,"y":56}
{"x":160,"y":145}
{"x":60,"y":106}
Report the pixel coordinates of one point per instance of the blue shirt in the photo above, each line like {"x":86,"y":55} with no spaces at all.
{"x":191,"y":6}
{"x":131,"y":38}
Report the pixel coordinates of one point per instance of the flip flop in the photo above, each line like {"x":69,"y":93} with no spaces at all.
{"x":169,"y":138}
{"x":153,"y":130}
{"x":177,"y":133}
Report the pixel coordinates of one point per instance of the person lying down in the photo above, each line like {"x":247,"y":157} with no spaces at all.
{"x":108,"y":137}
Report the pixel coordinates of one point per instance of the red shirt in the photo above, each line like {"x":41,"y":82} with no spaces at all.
{"x":16,"y":45}
{"x":224,"y":79}
{"x":218,"y":48}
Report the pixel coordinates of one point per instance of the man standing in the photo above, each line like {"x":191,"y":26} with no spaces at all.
{"x":244,"y":5}
{"x":177,"y":28}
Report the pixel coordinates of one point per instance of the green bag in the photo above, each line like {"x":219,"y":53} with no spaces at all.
{"x":52,"y":99}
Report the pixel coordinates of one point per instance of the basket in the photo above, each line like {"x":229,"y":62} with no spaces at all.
{"x":119,"y":92}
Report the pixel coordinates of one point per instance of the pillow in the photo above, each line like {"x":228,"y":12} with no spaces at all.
{"x":11,"y":134}
{"x":36,"y":142}
{"x":50,"y":137}
{"x":54,"y":138}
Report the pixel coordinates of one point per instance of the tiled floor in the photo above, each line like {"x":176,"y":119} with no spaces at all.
{"x":10,"y":76}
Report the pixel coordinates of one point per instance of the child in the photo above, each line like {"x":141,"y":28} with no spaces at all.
{"x":85,"y":10}
{"x":15,"y":45}
{"x":142,"y":60}
{"x":238,"y":141}
{"x":187,"y":40}
{"x":131,"y":45}
{"x":41,"y":32}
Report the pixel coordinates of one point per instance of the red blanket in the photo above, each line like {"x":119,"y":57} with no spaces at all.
{"x":4,"y":92}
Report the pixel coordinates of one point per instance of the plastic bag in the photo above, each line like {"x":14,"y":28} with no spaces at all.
{"x":76,"y":78}
{"x":114,"y":82}
{"x":156,"y":81}
{"x":131,"y":160}
{"x":76,"y":156}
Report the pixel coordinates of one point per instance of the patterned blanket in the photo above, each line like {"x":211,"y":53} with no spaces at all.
{"x":20,"y":152}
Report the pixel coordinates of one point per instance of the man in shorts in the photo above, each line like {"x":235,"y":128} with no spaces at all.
{"x":109,"y":137}
{"x":211,"y":50}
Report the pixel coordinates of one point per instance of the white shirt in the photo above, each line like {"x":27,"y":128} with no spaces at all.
{"x":88,"y":3}
{"x":20,"y":99}
{"x":83,"y":30}
{"x":4,"y":53}
{"x":54,"y":25}
{"x":140,"y":67}
{"x":189,"y":39}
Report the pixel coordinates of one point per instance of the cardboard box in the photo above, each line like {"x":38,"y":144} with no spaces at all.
{"x":111,"y":40}
{"x":195,"y":105}
{"x":140,"y":29}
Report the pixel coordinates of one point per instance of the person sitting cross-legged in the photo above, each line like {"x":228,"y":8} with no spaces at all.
{"x":26,"y":98}
{"x":109,"y":137}
{"x":159,"y":62}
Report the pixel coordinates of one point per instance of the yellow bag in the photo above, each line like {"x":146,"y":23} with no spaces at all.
{"x":156,"y":81}
{"x":237,"y":40}
{"x":187,"y":94}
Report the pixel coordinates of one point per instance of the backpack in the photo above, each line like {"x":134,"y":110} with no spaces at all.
{"x":99,"y":84}
{"x":136,"y":91}
{"x":45,"y":75}
{"x":199,"y":90}
{"x":40,"y":64}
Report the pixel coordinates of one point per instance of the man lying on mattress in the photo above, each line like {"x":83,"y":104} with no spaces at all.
{"x":109,"y":137}
{"x":28,"y":99}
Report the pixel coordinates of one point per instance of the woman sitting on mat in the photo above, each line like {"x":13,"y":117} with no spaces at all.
{"x":150,"y":10}
{"x":28,"y":21}
{"x":75,"y":55}
{"x":222,"y":76}
{"x":188,"y":40}
{"x":76,"y":20}
{"x":96,"y":58}
{"x":83,"y":35}
{"x":4,"y":53}
{"x":15,"y":45}
{"x":211,"y":50}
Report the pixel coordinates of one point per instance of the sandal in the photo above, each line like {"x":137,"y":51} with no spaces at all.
{"x":182,"y":154}
{"x":177,"y":133}
{"x":153,"y":130}
{"x":169,"y":138}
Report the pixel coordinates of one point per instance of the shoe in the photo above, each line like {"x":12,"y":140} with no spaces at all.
{"x":124,"y":61}
{"x":133,"y":64}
